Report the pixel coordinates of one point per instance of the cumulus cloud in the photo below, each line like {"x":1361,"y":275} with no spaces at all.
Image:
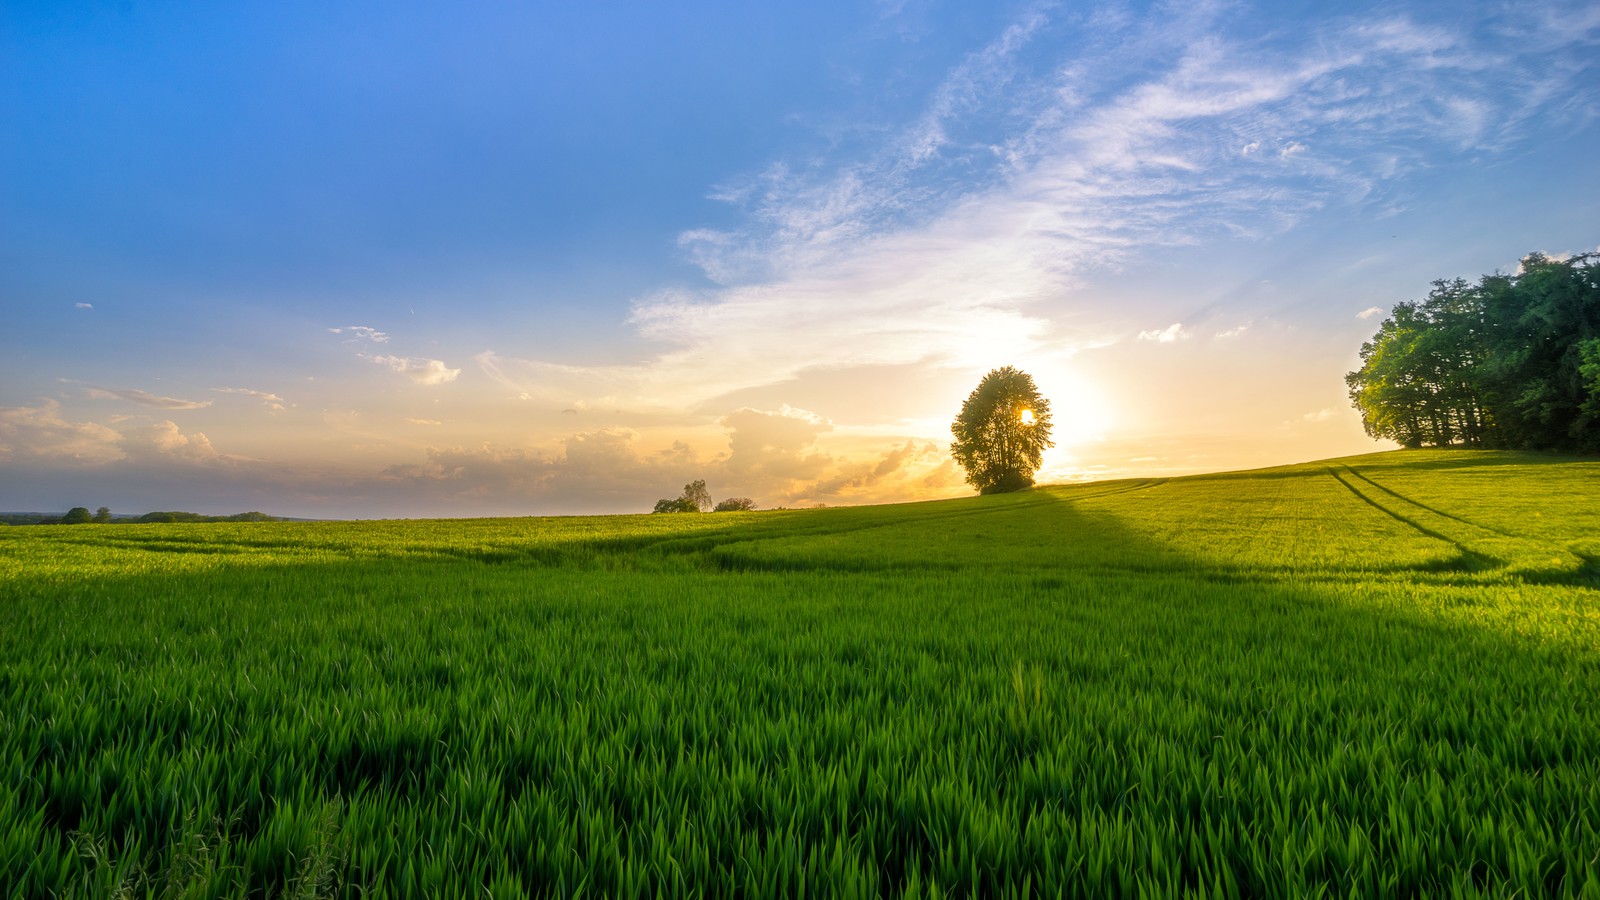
{"x":165,"y":439}
{"x":1369,"y":312}
{"x":861,"y":478}
{"x":270,"y":400}
{"x":145,"y":398}
{"x":40,"y":434}
{"x":44,"y":436}
{"x":362,"y":333}
{"x":772,"y":456}
{"x":1166,"y":335}
{"x":422,"y":371}
{"x":601,"y":469}
{"x":777,"y":445}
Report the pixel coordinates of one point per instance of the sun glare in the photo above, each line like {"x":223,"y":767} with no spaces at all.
{"x":1026,"y":416}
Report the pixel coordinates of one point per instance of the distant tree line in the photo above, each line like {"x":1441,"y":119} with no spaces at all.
{"x":1512,"y":361}
{"x":80,"y":515}
{"x":697,"y":498}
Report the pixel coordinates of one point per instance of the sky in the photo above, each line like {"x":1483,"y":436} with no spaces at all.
{"x":361,"y":260}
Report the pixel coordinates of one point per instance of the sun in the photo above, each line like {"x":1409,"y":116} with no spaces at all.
{"x":1026,"y":416}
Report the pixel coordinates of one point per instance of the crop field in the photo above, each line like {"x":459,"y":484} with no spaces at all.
{"x":1367,"y":677}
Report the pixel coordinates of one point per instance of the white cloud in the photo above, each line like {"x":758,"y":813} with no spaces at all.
{"x":43,"y":436}
{"x":40,"y":435}
{"x":778,"y":445}
{"x":83,"y":306}
{"x":271,"y":401}
{"x":145,"y":398}
{"x":166,"y":439}
{"x":976,"y":223}
{"x":1235,"y":331}
{"x":422,"y":371}
{"x":362,"y":332}
{"x":1171,"y":333}
{"x":423,"y":422}
{"x":1369,"y":312}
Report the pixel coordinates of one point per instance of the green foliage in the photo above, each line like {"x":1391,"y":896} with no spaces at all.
{"x":102,"y":515}
{"x":78,"y":515}
{"x":736,"y":504}
{"x":1002,"y":432}
{"x":150,"y":518}
{"x":695,"y":498}
{"x":1368,"y":677}
{"x":1499,"y":363}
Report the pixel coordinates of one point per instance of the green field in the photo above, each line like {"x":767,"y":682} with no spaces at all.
{"x":1377,"y":676}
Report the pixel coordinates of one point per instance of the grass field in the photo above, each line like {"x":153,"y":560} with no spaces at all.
{"x":1376,"y":676}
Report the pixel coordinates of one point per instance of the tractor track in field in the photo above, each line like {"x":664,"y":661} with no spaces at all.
{"x":1525,"y":557}
{"x":1465,"y":550}
{"x":1436,"y":511}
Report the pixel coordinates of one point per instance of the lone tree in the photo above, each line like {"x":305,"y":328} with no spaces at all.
{"x":695,"y":498}
{"x":1002,"y":432}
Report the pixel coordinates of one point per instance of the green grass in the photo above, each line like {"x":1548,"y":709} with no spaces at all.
{"x":1374,"y":676}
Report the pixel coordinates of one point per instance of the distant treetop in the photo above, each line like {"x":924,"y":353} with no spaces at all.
{"x":1512,"y":361}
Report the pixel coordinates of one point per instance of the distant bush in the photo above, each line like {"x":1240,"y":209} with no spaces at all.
{"x":695,"y":498}
{"x":736,"y":504}
{"x":177,"y":516}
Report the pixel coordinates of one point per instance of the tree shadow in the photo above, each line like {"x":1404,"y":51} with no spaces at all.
{"x":972,"y":694}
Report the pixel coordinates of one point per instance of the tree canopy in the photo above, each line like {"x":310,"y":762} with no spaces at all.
{"x":1512,"y":361}
{"x":695,"y":498}
{"x":1002,"y":432}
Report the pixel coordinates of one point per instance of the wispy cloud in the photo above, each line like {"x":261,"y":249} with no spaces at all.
{"x":362,"y":333}
{"x":145,"y":398}
{"x":271,"y":401}
{"x":980,"y":219}
{"x":81,"y":305}
{"x":429,"y":422}
{"x":422,"y":371}
{"x":1369,"y":312}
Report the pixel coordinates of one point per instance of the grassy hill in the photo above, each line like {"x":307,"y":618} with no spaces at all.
{"x":1369,"y":676}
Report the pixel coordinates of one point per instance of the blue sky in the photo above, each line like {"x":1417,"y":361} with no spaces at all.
{"x":396,"y":259}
